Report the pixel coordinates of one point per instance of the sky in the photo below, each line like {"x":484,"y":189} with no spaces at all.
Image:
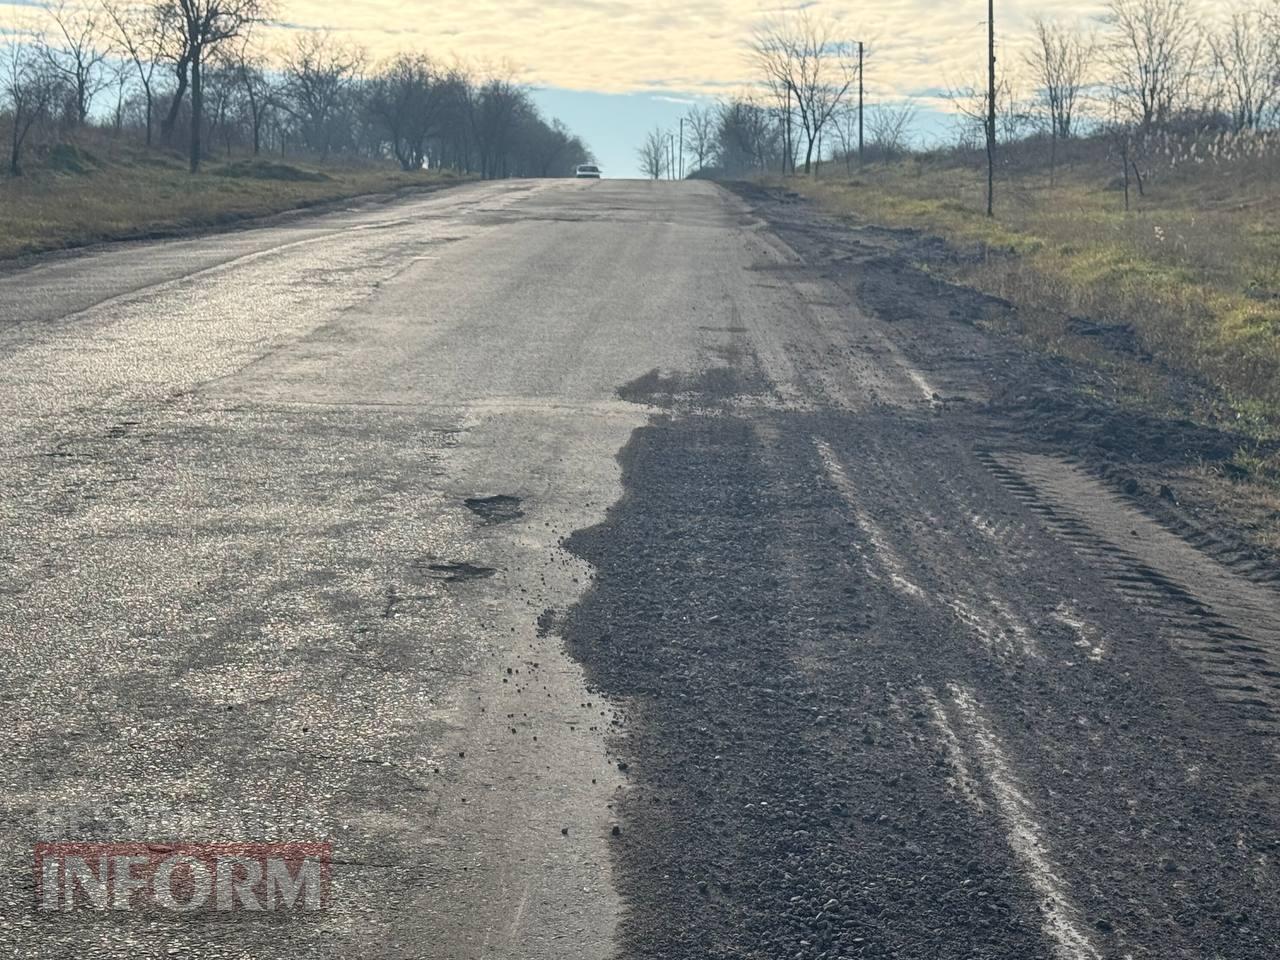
{"x":615,"y":69}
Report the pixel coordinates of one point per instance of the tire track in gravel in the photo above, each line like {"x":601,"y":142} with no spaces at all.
{"x":878,"y":708}
{"x":1062,"y":923}
{"x":1227,"y":627}
{"x":1100,"y":712}
{"x":792,"y":794}
{"x":777,"y":806}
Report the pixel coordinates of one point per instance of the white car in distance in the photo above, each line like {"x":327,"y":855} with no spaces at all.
{"x":587,"y":171}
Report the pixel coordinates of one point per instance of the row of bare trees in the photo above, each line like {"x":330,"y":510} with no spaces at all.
{"x":1145,"y":71}
{"x":199,"y":74}
{"x":808,"y":70}
{"x":746,"y":134}
{"x":809,"y":104}
{"x":1143,"y":68}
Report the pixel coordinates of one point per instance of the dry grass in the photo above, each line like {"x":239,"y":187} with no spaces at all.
{"x":76,"y":195}
{"x":1255,"y":505}
{"x":1193,"y":269}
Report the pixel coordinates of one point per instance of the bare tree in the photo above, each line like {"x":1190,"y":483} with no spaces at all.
{"x":320,"y":73}
{"x":653,"y":154}
{"x":76,"y":51}
{"x":749,"y":136}
{"x":846,"y":125}
{"x":30,"y":86}
{"x":1246,"y":57}
{"x":973,"y":112}
{"x":199,"y":28}
{"x":453,"y":145}
{"x":990,"y":120}
{"x":700,"y":135}
{"x":774,"y":57}
{"x":118,"y":74}
{"x":143,"y":37}
{"x":890,"y":128}
{"x":547,"y":150}
{"x":223,"y":96}
{"x":495,"y":104}
{"x":1154,"y":55}
{"x":411,"y":108}
{"x":406,"y":98}
{"x":1060,"y":63}
{"x":805,"y":62}
{"x":176,"y":51}
{"x":257,"y":88}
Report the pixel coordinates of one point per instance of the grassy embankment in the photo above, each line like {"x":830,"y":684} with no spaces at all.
{"x":1193,"y":268}
{"x":71,"y":196}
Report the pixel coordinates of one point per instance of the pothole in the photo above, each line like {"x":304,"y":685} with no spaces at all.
{"x":461,"y":571}
{"x":498,"y":509}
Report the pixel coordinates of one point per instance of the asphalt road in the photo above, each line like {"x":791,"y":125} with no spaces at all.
{"x":606,"y":568}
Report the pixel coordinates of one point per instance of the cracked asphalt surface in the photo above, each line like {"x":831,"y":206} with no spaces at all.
{"x":613,"y":569}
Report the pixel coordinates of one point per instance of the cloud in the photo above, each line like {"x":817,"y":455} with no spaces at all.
{"x":618,"y":47}
{"x":629,"y":46}
{"x":621,"y":46}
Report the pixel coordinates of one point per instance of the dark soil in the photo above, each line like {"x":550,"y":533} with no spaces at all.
{"x":1032,"y":399}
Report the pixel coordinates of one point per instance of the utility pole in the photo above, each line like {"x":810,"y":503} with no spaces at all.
{"x":682,"y":148}
{"x":991,"y":108}
{"x":861,"y":99}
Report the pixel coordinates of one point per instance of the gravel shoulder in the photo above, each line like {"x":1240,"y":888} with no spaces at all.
{"x":917,"y":660}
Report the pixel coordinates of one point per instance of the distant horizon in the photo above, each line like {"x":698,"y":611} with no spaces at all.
{"x":624,"y":120}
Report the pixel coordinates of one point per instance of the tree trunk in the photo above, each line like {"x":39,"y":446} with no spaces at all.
{"x":789,"y":158}
{"x":226,"y":127}
{"x":1124,"y":162}
{"x":255,"y":114}
{"x":150,"y":111}
{"x":170,"y":121}
{"x":1053,"y":155}
{"x":197,"y":109}
{"x":15,"y":156}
